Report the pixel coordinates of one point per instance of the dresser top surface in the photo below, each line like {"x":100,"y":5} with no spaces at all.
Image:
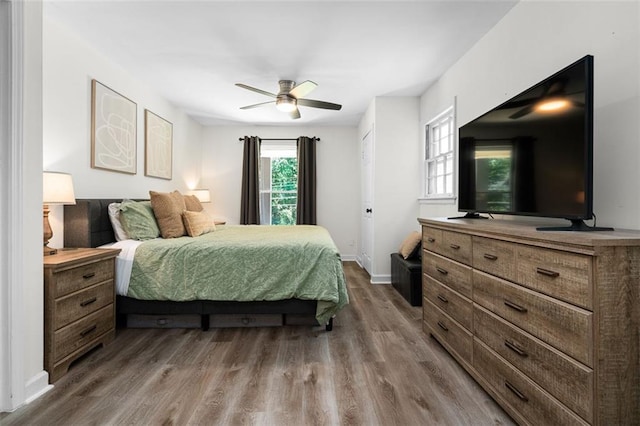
{"x":527,"y":230}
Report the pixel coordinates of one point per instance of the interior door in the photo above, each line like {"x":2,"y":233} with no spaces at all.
{"x":367,"y":202}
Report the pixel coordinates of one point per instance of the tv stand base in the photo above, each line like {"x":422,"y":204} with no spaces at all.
{"x":577,"y":225}
{"x":470,"y":215}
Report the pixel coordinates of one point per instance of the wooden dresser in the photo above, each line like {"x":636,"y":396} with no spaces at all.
{"x":547,"y":322}
{"x":79,"y":308}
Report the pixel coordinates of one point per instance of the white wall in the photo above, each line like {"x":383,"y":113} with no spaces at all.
{"x":69,"y":65}
{"x":533,"y":41}
{"x":338,"y":177}
{"x":397,"y":181}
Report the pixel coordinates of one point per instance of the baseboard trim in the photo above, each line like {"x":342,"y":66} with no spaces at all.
{"x":348,"y":258}
{"x":381,"y":279}
{"x":37,"y":386}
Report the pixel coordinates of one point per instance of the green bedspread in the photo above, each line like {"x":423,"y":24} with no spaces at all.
{"x":243,"y":263}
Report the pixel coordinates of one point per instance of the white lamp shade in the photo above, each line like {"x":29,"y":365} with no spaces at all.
{"x":203,"y":195}
{"x":57,"y":188}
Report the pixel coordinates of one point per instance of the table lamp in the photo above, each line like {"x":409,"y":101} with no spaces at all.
{"x":57,"y":188}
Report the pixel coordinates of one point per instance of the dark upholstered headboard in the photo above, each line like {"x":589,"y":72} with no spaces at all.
{"x":87,"y":224}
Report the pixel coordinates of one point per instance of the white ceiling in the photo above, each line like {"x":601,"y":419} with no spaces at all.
{"x":193,"y":52}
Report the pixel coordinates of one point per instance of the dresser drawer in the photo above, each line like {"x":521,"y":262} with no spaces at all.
{"x":456,"y":306}
{"x":495,"y":257}
{"x":530,"y":400}
{"x":454,"y":245}
{"x":451,"y":334}
{"x":432,"y":239}
{"x":77,"y":278}
{"x":566,"y":276}
{"x":569,"y":381}
{"x":79,"y":304}
{"x":564,"y":326}
{"x":448,"y":272}
{"x":72,"y":337}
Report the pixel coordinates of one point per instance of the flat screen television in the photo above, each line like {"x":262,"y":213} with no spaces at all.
{"x":533,"y":154}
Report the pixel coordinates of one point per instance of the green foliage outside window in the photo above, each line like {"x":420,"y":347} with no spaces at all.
{"x":284,"y":187}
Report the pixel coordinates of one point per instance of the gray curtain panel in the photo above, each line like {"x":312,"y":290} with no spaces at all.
{"x":306,"y":206}
{"x":250,"y":197}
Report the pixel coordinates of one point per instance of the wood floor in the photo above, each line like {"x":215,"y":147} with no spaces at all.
{"x":375,"y":368}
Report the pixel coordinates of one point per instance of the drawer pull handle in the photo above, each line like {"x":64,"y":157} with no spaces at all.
{"x":444,"y":299}
{"x":88,"y":330}
{"x":442,"y":326}
{"x":515,"y":390}
{"x":516,"y":349}
{"x":454,"y":246}
{"x":88,"y":302}
{"x":89,"y":275}
{"x":490,"y":256}
{"x":515,"y":306}
{"x":431,"y":240}
{"x":442,"y":271}
{"x":547,"y":272}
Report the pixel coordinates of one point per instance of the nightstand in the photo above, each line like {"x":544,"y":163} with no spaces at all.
{"x":79,"y":305}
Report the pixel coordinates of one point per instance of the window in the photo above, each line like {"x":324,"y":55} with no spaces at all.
{"x":278,"y":183}
{"x":439,"y":156}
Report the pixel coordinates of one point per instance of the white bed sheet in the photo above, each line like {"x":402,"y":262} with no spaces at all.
{"x":124,"y":263}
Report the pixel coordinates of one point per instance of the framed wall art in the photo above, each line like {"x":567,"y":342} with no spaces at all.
{"x":113,"y":130}
{"x":158,"y":146}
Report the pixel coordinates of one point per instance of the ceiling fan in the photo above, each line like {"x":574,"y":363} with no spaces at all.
{"x":290,"y":97}
{"x":553,"y":97}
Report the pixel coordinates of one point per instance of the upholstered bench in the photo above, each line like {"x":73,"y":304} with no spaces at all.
{"x":406,"y":277}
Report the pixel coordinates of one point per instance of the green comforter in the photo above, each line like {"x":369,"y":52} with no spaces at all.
{"x":243,"y":263}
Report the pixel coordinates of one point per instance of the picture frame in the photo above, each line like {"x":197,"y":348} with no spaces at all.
{"x":158,"y":146}
{"x":113,"y":130}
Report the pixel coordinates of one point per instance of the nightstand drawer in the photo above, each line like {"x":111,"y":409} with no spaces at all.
{"x":569,"y":381}
{"x":566,"y":276}
{"x":531,"y":401}
{"x":70,"y":280}
{"x":453,"y":274}
{"x":456,"y":306}
{"x":495,"y":257}
{"x":82,"y":303}
{"x":451,"y":334}
{"x":78,"y":334}
{"x":566,"y":327}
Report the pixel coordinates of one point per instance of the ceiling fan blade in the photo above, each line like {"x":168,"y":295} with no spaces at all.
{"x":318,"y":104}
{"x":253,"y":89}
{"x":521,"y":113}
{"x":295,"y":114}
{"x":303,"y":89}
{"x":258,"y":105}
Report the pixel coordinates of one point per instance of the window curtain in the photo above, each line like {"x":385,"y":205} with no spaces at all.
{"x":306,"y":203}
{"x":250,"y":197}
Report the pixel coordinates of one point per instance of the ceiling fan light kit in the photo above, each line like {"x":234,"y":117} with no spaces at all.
{"x":290,"y":96}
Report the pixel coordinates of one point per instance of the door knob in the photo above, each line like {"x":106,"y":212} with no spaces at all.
{"x":369,"y":210}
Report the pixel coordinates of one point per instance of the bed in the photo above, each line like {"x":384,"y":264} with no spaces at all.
{"x":220,"y":273}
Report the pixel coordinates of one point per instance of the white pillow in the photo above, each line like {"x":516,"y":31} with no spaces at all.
{"x":114,"y":217}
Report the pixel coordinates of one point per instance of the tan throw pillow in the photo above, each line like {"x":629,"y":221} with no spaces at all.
{"x":410,"y":245}
{"x":168,"y":208}
{"x":192,"y":203}
{"x":198,"y":223}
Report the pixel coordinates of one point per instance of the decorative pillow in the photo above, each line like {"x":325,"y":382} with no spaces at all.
{"x":168,"y":208}
{"x":138,"y":221}
{"x":411,"y":245}
{"x":192,"y":203}
{"x":198,"y":223}
{"x":114,"y":217}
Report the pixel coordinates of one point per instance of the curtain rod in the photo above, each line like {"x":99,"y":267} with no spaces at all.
{"x":280,"y":139}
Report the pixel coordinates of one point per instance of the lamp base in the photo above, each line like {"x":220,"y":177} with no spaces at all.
{"x":48,"y":251}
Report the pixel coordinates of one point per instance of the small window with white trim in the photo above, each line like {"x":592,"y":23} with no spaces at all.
{"x":439,"y":156}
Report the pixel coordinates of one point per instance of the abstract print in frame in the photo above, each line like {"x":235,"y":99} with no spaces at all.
{"x":158,"y":142}
{"x":113,"y":130}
